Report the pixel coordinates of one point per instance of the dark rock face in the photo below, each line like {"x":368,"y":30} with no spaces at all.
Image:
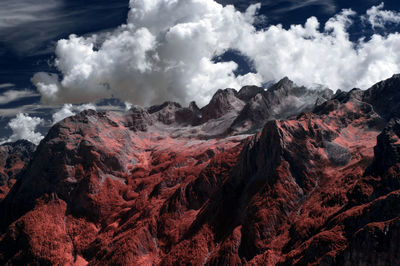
{"x":248,"y":92}
{"x":172,"y":114}
{"x":14,"y":157}
{"x":320,"y":187}
{"x":385,"y":98}
{"x":253,"y":115}
{"x":387,"y":150}
{"x":282,"y":100}
{"x":189,"y":116}
{"x":165,"y":112}
{"x":223,"y":101}
{"x":138,"y":118}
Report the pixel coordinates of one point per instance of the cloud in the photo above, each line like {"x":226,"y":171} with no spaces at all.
{"x":23,"y":127}
{"x":28,"y":108}
{"x":328,"y":6}
{"x":6,"y":85}
{"x":70,"y":110}
{"x":128,"y":106}
{"x":323,"y":55}
{"x":12,"y":95}
{"x":29,"y":26}
{"x":15,"y":13}
{"x":46,"y":111}
{"x":166,"y":51}
{"x":378,"y":17}
{"x":24,"y":22}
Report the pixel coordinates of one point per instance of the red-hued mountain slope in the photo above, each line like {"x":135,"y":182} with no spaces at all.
{"x":226,"y":184}
{"x":13,"y":159}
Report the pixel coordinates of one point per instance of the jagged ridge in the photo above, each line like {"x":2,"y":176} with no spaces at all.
{"x":175,"y":185}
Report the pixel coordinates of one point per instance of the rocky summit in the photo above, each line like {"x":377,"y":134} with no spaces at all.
{"x":283,"y":176}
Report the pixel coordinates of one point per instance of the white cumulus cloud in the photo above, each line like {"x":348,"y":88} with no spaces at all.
{"x":24,"y":127}
{"x":165,"y":51}
{"x":69,"y":110}
{"x":313,"y":53}
{"x":378,"y":17}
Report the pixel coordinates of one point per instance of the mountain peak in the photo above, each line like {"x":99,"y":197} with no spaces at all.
{"x":284,"y":84}
{"x":223,"y":102}
{"x":280,"y":101}
{"x":385,"y":97}
{"x":248,"y":92}
{"x":167,"y":104}
{"x":138,"y":118}
{"x":396,"y":76}
{"x":193,"y":106}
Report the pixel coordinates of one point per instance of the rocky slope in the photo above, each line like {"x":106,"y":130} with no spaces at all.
{"x":227,"y":184}
{"x":13,"y":159}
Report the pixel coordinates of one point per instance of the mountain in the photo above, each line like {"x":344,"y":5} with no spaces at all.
{"x":284,"y":176}
{"x":281,"y":101}
{"x":13,"y":159}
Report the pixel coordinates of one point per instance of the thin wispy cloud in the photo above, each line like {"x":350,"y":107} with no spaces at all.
{"x":13,"y":95}
{"x":328,"y":6}
{"x":27,"y":108}
{"x":29,"y":26}
{"x":26,"y":24}
{"x":6,"y":85}
{"x":14,"y":13}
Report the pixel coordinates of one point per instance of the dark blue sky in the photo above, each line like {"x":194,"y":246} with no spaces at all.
{"x":27,"y":47}
{"x":29,"y":30}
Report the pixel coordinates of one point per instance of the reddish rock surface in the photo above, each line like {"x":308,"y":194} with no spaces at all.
{"x":13,"y":159}
{"x":172,"y":185}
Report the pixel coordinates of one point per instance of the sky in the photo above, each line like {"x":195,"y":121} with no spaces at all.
{"x":60,"y":57}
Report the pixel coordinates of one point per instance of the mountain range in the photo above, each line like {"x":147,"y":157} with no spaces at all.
{"x":283,"y":176}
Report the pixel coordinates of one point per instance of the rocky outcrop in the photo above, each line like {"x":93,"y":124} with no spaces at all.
{"x":14,"y":157}
{"x":248,"y":92}
{"x":223,"y":102}
{"x":189,"y":116}
{"x":280,"y":101}
{"x":387,"y":150}
{"x":170,"y":113}
{"x":165,"y":112}
{"x":385,"y":98}
{"x":138,"y":119}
